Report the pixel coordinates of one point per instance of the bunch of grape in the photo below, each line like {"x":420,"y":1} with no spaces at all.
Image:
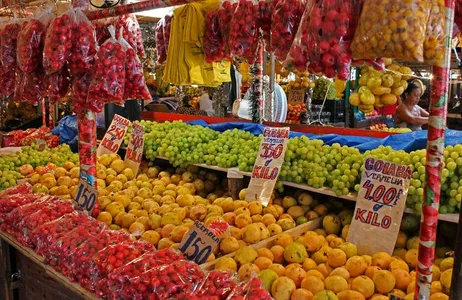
{"x":8,"y":178}
{"x":148,"y":127}
{"x":323,"y":86}
{"x":158,"y":131}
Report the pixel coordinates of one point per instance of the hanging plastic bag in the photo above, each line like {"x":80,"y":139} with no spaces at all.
{"x":266,"y":20}
{"x":286,"y":19}
{"x":84,"y":45}
{"x":135,"y":84}
{"x":225,"y":15}
{"x":393,"y":29}
{"x":244,"y":34}
{"x":213,"y":42}
{"x":322,"y":44}
{"x":131,"y":32}
{"x":79,"y":93}
{"x":102,"y":34}
{"x":160,"y":42}
{"x":31,"y":39}
{"x":59,"y":85}
{"x":58,"y":42}
{"x":108,"y":78}
{"x":32,"y":86}
{"x":8,"y":46}
{"x":435,"y":36}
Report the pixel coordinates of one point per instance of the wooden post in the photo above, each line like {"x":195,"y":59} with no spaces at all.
{"x":6,"y":291}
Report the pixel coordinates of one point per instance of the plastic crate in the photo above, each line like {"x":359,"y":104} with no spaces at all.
{"x":335,"y":107}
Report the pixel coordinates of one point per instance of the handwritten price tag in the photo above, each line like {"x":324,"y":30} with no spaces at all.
{"x":296,"y":96}
{"x":135,"y":148}
{"x":199,"y":243}
{"x":86,"y":196}
{"x":380,"y":206}
{"x":268,"y":164}
{"x":114,"y":136}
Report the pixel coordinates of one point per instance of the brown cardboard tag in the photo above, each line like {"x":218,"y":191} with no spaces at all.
{"x":135,"y":147}
{"x":114,"y":136}
{"x":199,"y":243}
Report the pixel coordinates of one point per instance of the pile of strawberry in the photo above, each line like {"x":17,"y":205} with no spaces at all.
{"x":31,"y":136}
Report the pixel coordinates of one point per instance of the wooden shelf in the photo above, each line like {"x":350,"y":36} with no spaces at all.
{"x":49,"y":271}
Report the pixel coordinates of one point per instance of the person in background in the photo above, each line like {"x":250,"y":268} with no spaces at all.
{"x":408,"y":113}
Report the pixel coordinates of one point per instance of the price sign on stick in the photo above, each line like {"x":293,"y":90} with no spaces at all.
{"x":114,"y":136}
{"x":268,"y":164}
{"x":135,"y":148}
{"x":86,"y":196}
{"x":296,"y":96}
{"x":380,"y":206}
{"x":199,"y":243}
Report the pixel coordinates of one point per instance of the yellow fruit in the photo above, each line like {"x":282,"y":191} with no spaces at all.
{"x":411,"y":258}
{"x":311,"y":242}
{"x":247,"y":271}
{"x":371,"y":270}
{"x":313,"y":284}
{"x":267,"y":278}
{"x":251,"y":234}
{"x":446,"y":278}
{"x":354,"y":99}
{"x":325,"y":295}
{"x":384,"y":281}
{"x":349,"y":249}
{"x":325,"y":269}
{"x":397,"y":293}
{"x":284,"y":240}
{"x":296,"y":273}
{"x":331,"y":224}
{"x":436,"y":287}
{"x":151,"y":236}
{"x":228,"y":244}
{"x":316,"y":273}
{"x":447,"y":264}
{"x":295,"y":253}
{"x":439,"y":296}
{"x":336,"y":258}
{"x":105,"y":217}
{"x":309,"y":264}
{"x":350,"y":295}
{"x":381,"y":259}
{"x":342,"y":272}
{"x":356,"y":266}
{"x":278,"y":268}
{"x":301,"y":294}
{"x":389,"y":99}
{"x":137,"y":229}
{"x":336,"y":283}
{"x":282,"y":288}
{"x":263,"y":263}
{"x":363,"y":285}
{"x":225,"y":264}
{"x":402,"y":278}
{"x":398,"y":264}
{"x":401,"y":240}
{"x":245,"y":255}
{"x":436,"y":273}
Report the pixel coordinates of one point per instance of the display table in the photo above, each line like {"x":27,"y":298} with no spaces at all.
{"x":33,"y":280}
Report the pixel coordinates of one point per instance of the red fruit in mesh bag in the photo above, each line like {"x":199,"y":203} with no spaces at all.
{"x":49,"y":212}
{"x":119,"y":280}
{"x":213,"y":42}
{"x":59,"y":85}
{"x":225,"y":15}
{"x":58,"y":42}
{"x":266,"y":19}
{"x":160,"y":43}
{"x":25,"y":188}
{"x":135,"y":84}
{"x":30,"y":44}
{"x":47,"y":233}
{"x":33,"y":86}
{"x":216,"y":285}
{"x":84,"y":47}
{"x":80,"y":87}
{"x":287,"y":15}
{"x":114,"y":257}
{"x":250,"y":290}
{"x":131,"y":32}
{"x":108,"y":78}
{"x":243,"y":37}
{"x":8,"y":46}
{"x":10,"y":202}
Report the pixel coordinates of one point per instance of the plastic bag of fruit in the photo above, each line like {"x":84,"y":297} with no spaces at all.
{"x":244,"y":33}
{"x":322,"y":44}
{"x":435,"y":34}
{"x":119,"y":280}
{"x":10,"y":202}
{"x":131,"y":32}
{"x":213,"y":42}
{"x":250,"y":289}
{"x":215,"y":285}
{"x":25,"y":188}
{"x":102,"y":34}
{"x":266,"y":20}
{"x":59,"y":83}
{"x":135,"y":84}
{"x":7,"y":83}
{"x":47,"y":233}
{"x":58,"y":41}
{"x":31,"y":87}
{"x":49,"y":212}
{"x":31,"y":39}
{"x":160,"y":42}
{"x":225,"y":16}
{"x":57,"y":252}
{"x":79,"y":93}
{"x":113,"y":257}
{"x":84,"y":46}
{"x":8,"y":46}
{"x":393,"y":29}
{"x":286,"y":19}
{"x":108,"y":77}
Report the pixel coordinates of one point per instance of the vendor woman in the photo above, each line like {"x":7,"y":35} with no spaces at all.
{"x":408,"y":113}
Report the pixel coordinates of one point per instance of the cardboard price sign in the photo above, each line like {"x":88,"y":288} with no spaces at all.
{"x":199,"y":243}
{"x":296,"y":96}
{"x":86,"y":196}
{"x":380,"y":206}
{"x":134,"y":152}
{"x":114,"y":136}
{"x":268,"y":164}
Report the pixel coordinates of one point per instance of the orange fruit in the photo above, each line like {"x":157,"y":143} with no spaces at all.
{"x":439,"y":296}
{"x":382,"y":260}
{"x":411,"y":258}
{"x":283,"y":239}
{"x":297,"y":274}
{"x":263,"y":263}
{"x":364,"y":285}
{"x":278,"y":254}
{"x":278,"y":268}
{"x":398,"y":264}
{"x":342,"y":272}
{"x":315,"y":273}
{"x":105,"y":217}
{"x":336,"y":258}
{"x":137,"y":229}
{"x":370,"y":271}
{"x":151,"y":236}
{"x":301,"y":294}
{"x":313,"y":284}
{"x":324,"y":269}
{"x":402,"y":278}
{"x":265,"y":252}
{"x":336,"y":284}
{"x":356,"y":266}
{"x":411,"y":287}
{"x":397,"y":293}
{"x":436,"y":287}
{"x":350,"y":295}
{"x":309,"y":264}
{"x":384,"y":281}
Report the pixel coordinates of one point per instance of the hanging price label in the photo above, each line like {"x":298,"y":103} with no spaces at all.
{"x":134,"y":152}
{"x":114,"y":136}
{"x":199,"y":243}
{"x":86,"y":196}
{"x":268,"y":164}
{"x":296,"y":96}
{"x":380,"y":206}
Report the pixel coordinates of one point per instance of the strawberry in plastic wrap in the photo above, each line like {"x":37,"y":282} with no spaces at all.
{"x":7,"y":83}
{"x":58,"y":253}
{"x":216,"y":285}
{"x":225,"y":16}
{"x":31,"y":40}
{"x":266,"y":20}
{"x":108,"y":78}
{"x":50,"y":211}
{"x":58,"y":42}
{"x":286,"y":19}
{"x":213,"y":42}
{"x":135,"y":84}
{"x":79,"y":92}
{"x":10,"y":202}
{"x":47,"y":233}
{"x":162,"y":38}
{"x":82,"y":264}
{"x":250,"y":290}
{"x":131,"y":32}
{"x":59,"y":85}
{"x":84,"y":46}
{"x":8,"y":46}
{"x":31,"y":87}
{"x":244,"y":33}
{"x":113,"y":257}
{"x":119,"y":280}
{"x":25,"y":188}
